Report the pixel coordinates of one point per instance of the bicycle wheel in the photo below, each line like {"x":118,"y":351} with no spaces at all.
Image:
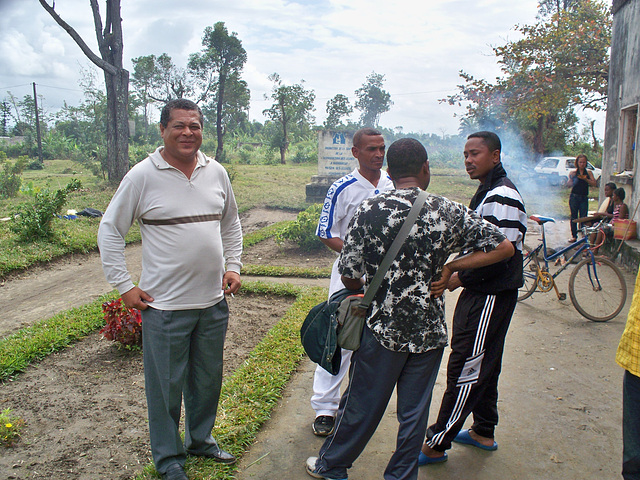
{"x":598,"y":292}
{"x":530,"y":266}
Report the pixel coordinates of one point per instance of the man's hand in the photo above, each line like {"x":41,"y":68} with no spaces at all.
{"x":136,"y":298}
{"x":231,"y":282}
{"x":438,"y":286}
{"x":454,"y":282}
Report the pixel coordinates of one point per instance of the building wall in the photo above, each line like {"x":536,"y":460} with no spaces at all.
{"x":624,"y":91}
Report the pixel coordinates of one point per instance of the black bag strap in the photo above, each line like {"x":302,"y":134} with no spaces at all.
{"x":394,"y":249}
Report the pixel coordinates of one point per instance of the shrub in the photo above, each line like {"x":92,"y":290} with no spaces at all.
{"x":36,"y":165}
{"x":246,"y":153}
{"x":10,"y":427}
{"x":10,"y":179}
{"x":34,"y":221}
{"x":305,"y":152}
{"x":137,"y":153}
{"x":302,"y":231}
{"x":123,"y":325}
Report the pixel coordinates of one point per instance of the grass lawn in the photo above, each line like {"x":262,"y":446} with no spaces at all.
{"x":276,"y":186}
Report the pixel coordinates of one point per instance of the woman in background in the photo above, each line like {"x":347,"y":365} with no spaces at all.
{"x":620,"y":212}
{"x":579,"y":180}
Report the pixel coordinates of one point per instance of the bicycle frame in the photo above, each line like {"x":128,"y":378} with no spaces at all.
{"x":543,"y":246}
{"x":583,"y":245}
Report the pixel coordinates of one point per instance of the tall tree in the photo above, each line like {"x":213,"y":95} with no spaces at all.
{"x":373,"y":101}
{"x":143,"y":80}
{"x":337,"y":108}
{"x":5,"y":116}
{"x":559,"y":63}
{"x":220,"y":61}
{"x":292,"y":107}
{"x":116,"y":79}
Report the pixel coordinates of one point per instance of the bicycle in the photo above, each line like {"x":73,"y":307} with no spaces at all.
{"x":596,"y":285}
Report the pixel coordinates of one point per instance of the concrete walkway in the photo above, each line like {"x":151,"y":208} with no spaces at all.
{"x":560,"y":407}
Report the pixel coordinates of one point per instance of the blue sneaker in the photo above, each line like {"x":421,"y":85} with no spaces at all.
{"x":310,"y":466}
{"x":424,"y":460}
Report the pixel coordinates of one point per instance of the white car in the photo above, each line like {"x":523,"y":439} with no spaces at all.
{"x":556,"y":169}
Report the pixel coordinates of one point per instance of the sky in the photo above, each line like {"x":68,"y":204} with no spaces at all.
{"x":419,"y":46}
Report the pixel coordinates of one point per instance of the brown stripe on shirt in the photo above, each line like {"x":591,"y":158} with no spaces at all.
{"x":179,"y":220}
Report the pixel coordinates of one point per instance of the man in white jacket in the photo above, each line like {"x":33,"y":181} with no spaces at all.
{"x":191,"y":244}
{"x":341,"y":202}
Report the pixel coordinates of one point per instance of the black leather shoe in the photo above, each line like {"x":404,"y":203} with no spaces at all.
{"x":218,"y":456}
{"x":175,"y":472}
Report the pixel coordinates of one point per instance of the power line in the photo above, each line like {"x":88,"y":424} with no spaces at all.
{"x":42,"y":85}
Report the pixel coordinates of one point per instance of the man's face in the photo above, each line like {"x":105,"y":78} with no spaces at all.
{"x":183,"y":135}
{"x":478,"y":160}
{"x":370,"y":152}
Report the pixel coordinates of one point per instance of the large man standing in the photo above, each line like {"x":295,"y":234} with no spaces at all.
{"x":191,"y":248}
{"x":344,"y":196}
{"x":405,"y":332}
{"x":483,"y":312}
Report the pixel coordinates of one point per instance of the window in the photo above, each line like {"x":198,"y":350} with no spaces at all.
{"x":628,"y":138}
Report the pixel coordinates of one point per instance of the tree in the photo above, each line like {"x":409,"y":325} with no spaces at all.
{"x":116,"y":79}
{"x":560,"y":63}
{"x":337,"y":108}
{"x":221,"y":61}
{"x":292,"y":107}
{"x":143,"y":80}
{"x":373,"y":101}
{"x":548,"y":8}
{"x":5,"y":115}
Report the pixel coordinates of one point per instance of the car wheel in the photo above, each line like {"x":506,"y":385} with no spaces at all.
{"x":563,"y":181}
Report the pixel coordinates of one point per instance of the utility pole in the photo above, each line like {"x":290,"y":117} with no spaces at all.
{"x":35,"y":102}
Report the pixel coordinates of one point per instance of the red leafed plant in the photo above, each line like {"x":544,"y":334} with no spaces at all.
{"x":123,"y":324}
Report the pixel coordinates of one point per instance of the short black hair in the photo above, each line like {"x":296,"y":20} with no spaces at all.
{"x":611,"y":185}
{"x":405,"y":158}
{"x":490,"y":139}
{"x":179,"y":104}
{"x":619,"y":192}
{"x":366,"y":131}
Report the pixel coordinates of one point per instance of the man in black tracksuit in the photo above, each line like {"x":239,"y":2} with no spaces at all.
{"x":483,"y":311}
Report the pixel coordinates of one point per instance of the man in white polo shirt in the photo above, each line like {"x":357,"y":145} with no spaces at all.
{"x":191,"y":247}
{"x":343,"y":198}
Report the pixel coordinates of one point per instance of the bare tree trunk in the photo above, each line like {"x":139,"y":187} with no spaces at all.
{"x":116,"y":79}
{"x":538,"y":139}
{"x":285,"y":133}
{"x":593,"y":135}
{"x":117,"y":125}
{"x":219,"y":131}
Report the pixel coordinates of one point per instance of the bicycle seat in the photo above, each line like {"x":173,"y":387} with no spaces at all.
{"x":539,"y":219}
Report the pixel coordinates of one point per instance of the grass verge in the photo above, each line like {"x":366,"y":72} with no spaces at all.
{"x":264,"y":233}
{"x":276,"y":271}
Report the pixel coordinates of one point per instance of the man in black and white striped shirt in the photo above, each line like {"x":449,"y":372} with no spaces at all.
{"x":483,"y":311}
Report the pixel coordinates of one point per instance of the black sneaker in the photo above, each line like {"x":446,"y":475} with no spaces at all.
{"x":323,"y":425}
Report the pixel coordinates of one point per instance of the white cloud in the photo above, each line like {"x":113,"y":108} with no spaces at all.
{"x":332,"y":44}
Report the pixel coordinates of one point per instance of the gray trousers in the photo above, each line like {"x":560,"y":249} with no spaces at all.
{"x":182,"y":353}
{"x":375,"y":372}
